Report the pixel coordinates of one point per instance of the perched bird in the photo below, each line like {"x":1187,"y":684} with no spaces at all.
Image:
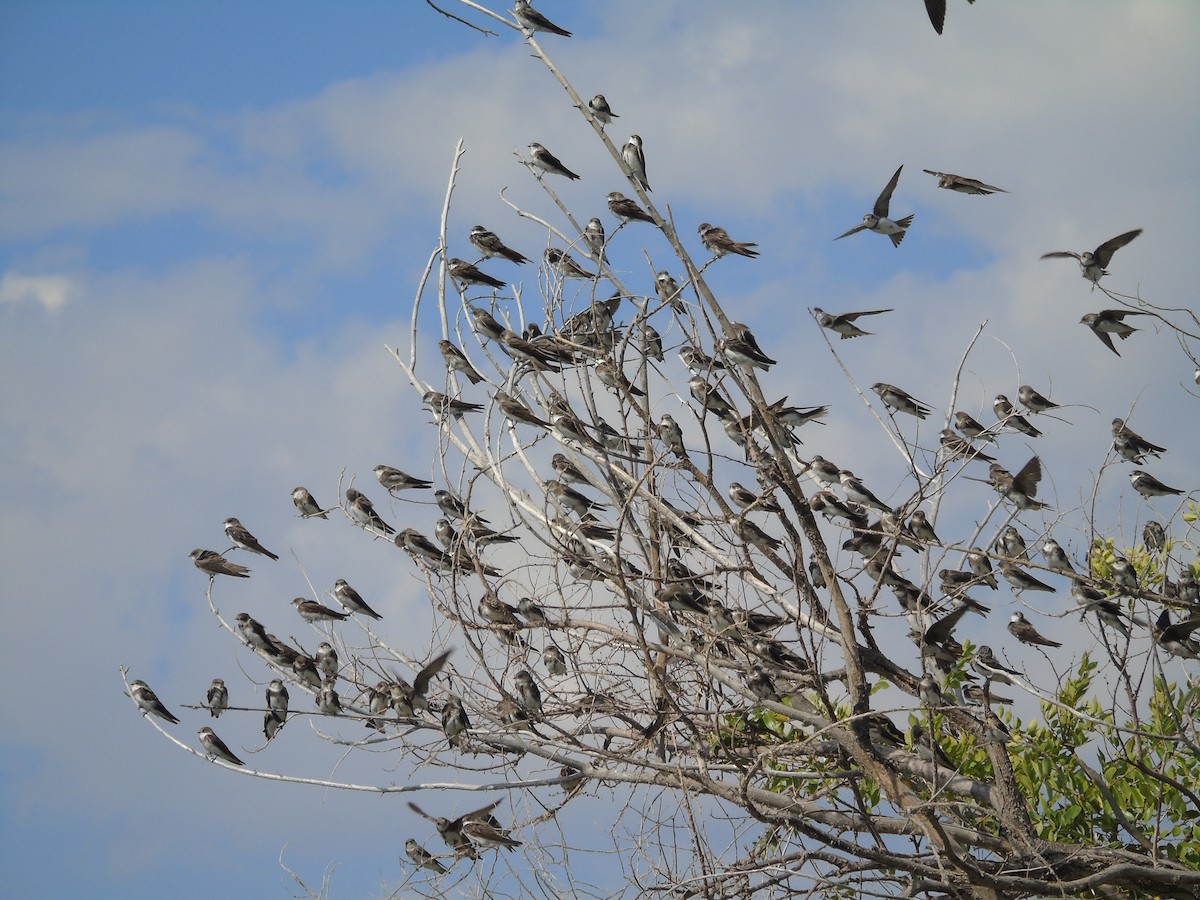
{"x":217,"y":698}
{"x":877,"y":220}
{"x":627,"y":210}
{"x":305,"y":669}
{"x":1011,"y":544}
{"x":568,"y":498}
{"x":469,"y":273}
{"x":986,"y":664}
{"x":1177,"y":639}
{"x":308,"y":507}
{"x":1020,"y":580}
{"x":929,"y":692}
{"x":455,"y":722}
{"x":671,"y":435}
{"x":565,"y":265}
{"x":326,"y":661}
{"x":532,"y":20}
{"x":148,"y":701}
{"x":441,"y":405}
{"x":857,"y":492}
{"x":486,"y":324}
{"x":843,"y":323}
{"x":900,"y":400}
{"x":752,"y":534}
{"x":918,"y":523}
{"x":484,"y":834}
{"x":407,"y":698}
{"x":328,"y":701}
{"x":555,"y":662}
{"x":253,"y":632}
{"x":1124,"y":575}
{"x":650,"y":341}
{"x":241,"y":537}
{"x":976,"y":694}
{"x":487,"y":243}
{"x":612,"y":377}
{"x":352,"y":600}
{"x":761,"y":684}
{"x":981,"y":566}
{"x":699,"y":362}
{"x":312,"y":611}
{"x":669,"y":290}
{"x":594,"y":238}
{"x":601,"y":110}
{"x":528,"y":695}
{"x":1056,"y":557}
{"x":1093,"y":264}
{"x":517,"y":411}
{"x":1108,"y":322}
{"x":1010,"y":418}
{"x":959,"y":183}
{"x":423,"y":858}
{"x":1033,"y":401}
{"x":213,"y":564}
{"x":567,"y":470}
{"x":277,"y":697}
{"x":956,"y":446}
{"x":1019,"y":627}
{"x":215,"y":747}
{"x":1132,"y":446}
{"x":708,"y":397}
{"x":395,"y":480}
{"x":1154,"y":536}
{"x":362,"y":511}
{"x":744,"y":498}
{"x":719,"y":243}
{"x":451,"y":830}
{"x":1149,"y":486}
{"x":548,"y":162}
{"x":926,"y":747}
{"x":456,"y":360}
{"x":742,"y":348}
{"x":971,"y":427}
{"x":1019,"y":488}
{"x":635,"y":159}
{"x":824,"y":471}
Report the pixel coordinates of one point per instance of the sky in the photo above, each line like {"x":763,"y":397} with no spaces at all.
{"x":214,"y":216}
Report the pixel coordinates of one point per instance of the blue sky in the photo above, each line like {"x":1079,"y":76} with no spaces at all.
{"x":212,"y":219}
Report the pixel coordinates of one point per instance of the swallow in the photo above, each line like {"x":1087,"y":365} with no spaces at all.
{"x":1177,"y":639}
{"x":857,"y":492}
{"x":485,"y":835}
{"x":918,"y":523}
{"x":957,"y":446}
{"x":843,"y":323}
{"x":548,"y":162}
{"x":441,"y":405}
{"x":305,"y":669}
{"x":453,"y":506}
{"x":761,"y":684}
{"x":277,"y":697}
{"x":532,"y":20}
{"x":1019,"y":488}
{"x":215,"y":747}
{"x":1010,"y":418}
{"x":487,"y":243}
{"x":217,"y":698}
{"x":533,"y":614}
{"x":1131,"y":445}
{"x":567,"y":470}
{"x":627,"y":210}
{"x":1011,"y":544}
{"x":312,"y":611}
{"x":962,"y":184}
{"x":328,"y":702}
{"x":394,"y":480}
{"x":669,"y":290}
{"x":929,"y":692}
{"x":362,"y":511}
{"x":307,"y":506}
{"x":826,"y":503}
{"x":1033,"y":401}
{"x":635,"y":160}
{"x":671,"y":436}
{"x":1149,"y":486}
{"x":423,"y":858}
{"x":877,"y":220}
{"x":937,"y":17}
{"x":779,"y":656}
{"x":708,"y":397}
{"x":744,"y":498}
{"x":612,"y":377}
{"x":699,"y":362}
{"x":240,"y":536}
{"x":279,"y":653}
{"x":517,"y":411}
{"x":456,"y":360}
{"x":1020,"y":580}
{"x":719,"y":243}
{"x":795,"y":416}
{"x":1124,"y":575}
{"x":213,"y":564}
{"x":468,"y":273}
{"x":407,"y":698}
{"x":528,"y":695}
{"x":1019,"y":627}
{"x":900,"y":400}
{"x":451,"y":830}
{"x":743,"y":350}
{"x":1093,"y":265}
{"x":419,"y":546}
{"x":1108,"y":322}
{"x":148,"y":701}
{"x":352,"y":600}
{"x":253,"y":632}
{"x":601,"y":110}
{"x":979,"y":564}
{"x":594,"y":238}
{"x":650,"y":342}
{"x":986,"y":664}
{"x":486,"y":324}
{"x":752,"y":534}
{"x":824,"y":471}
{"x":927,"y":748}
{"x":971,"y":427}
{"x":565,"y":265}
{"x":455,"y":723}
{"x":568,"y":498}
{"x":1154,"y":536}
{"x":1056,"y":558}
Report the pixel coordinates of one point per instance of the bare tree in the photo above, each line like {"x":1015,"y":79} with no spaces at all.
{"x":647,"y":590}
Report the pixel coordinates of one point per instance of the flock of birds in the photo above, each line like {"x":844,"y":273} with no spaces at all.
{"x":747,"y":640}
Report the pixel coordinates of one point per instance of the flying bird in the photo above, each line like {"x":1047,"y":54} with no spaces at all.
{"x":1093,"y":264}
{"x":148,"y":701}
{"x":719,"y":243}
{"x":635,"y":159}
{"x":1019,"y":488}
{"x":843,"y":323}
{"x":490,"y":245}
{"x":937,"y":13}
{"x":532,"y":20}
{"x":469,"y":273}
{"x":548,"y":162}
{"x":307,"y":506}
{"x":877,"y":220}
{"x":601,"y":110}
{"x":241,"y":537}
{"x":899,"y":400}
{"x":963,"y":185}
{"x":215,"y":747}
{"x":213,"y":564}
{"x":1108,"y":322}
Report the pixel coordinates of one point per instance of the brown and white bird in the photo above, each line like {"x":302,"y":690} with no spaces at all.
{"x":1093,"y":264}
{"x":843,"y":323}
{"x":215,"y":747}
{"x":548,"y":162}
{"x":241,"y":537}
{"x":532,"y":20}
{"x":217,"y":698}
{"x":489,"y":244}
{"x":468,"y":273}
{"x":877,"y":219}
{"x":362,"y":511}
{"x":1019,"y":627}
{"x":961,"y":184}
{"x":311,"y":611}
{"x":213,"y":564}
{"x":627,"y":210}
{"x":1109,"y":322}
{"x":635,"y":159}
{"x":395,"y":480}
{"x":306,"y":505}
{"x":719,"y":243}
{"x":149,"y":703}
{"x":456,"y":361}
{"x":1019,"y":488}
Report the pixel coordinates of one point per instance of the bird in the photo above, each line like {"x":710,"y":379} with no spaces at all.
{"x":1011,"y":544}
{"x":486,"y":324}
{"x":635,"y":159}
{"x":148,"y":701}
{"x":454,"y":507}
{"x":843,"y":323}
{"x":569,"y":498}
{"x":650,"y":341}
{"x":899,"y":400}
{"x":451,"y":830}
{"x":601,"y":110}
{"x":565,"y":264}
{"x":241,"y":537}
{"x":960,"y":183}
{"x":1177,"y":639}
{"x":352,"y":600}
{"x":362,"y":511}
{"x":742,"y":348}
{"x":1020,"y":580}
{"x":455,"y":722}
{"x":671,"y":435}
{"x":253,"y":632}
{"x":971,"y":427}
{"x":1010,"y":418}
{"x":277,"y":697}
{"x":1019,"y":488}
{"x":1019,"y":627}
{"x":217,"y":698}
{"x":609,"y":374}
{"x":719,"y":243}
{"x":1093,"y":264}
{"x":307,"y":506}
{"x":326,"y":661}
{"x":857,"y":492}
{"x":668,"y":290}
{"x":469,"y":273}
{"x":548,"y":162}
{"x":528,"y":695}
{"x":981,"y":566}
{"x":1132,"y":446}
{"x":312,"y":611}
{"x":441,"y":405}
{"x":1149,"y":486}
{"x":554,"y":660}
{"x":487,"y":243}
{"x":627,"y":210}
{"x":456,"y":360}
{"x":956,"y":445}
{"x":877,"y":220}
{"x":1056,"y":558}
{"x":918,"y":523}
{"x":1154,"y":536}
{"x":215,"y":747}
{"x":423,"y":858}
{"x":517,"y":411}
{"x":1033,"y":401}
{"x":533,"y":21}
{"x":708,"y":397}
{"x":986,"y":664}
{"x":1108,"y":322}
{"x":213,"y":564}
{"x":745,"y":498}
{"x":487,"y":836}
{"x":395,"y":480}
{"x":305,"y":669}
{"x":936,"y":10}
{"x":593,"y":239}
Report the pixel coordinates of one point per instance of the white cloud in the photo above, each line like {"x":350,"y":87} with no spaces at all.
{"x":52,"y":291}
